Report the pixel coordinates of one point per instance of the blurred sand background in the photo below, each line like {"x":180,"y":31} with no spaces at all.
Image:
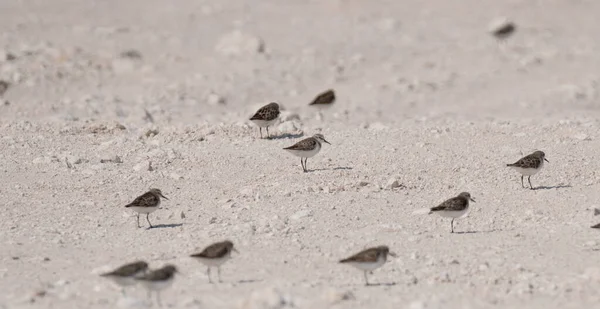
{"x":110,"y":98}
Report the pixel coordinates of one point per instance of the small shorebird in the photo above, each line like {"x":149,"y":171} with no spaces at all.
{"x":266,"y":116}
{"x":307,"y":148}
{"x":214,"y":256}
{"x":503,"y":29}
{"x":158,"y":280}
{"x":455,"y":208}
{"x":125,"y":275}
{"x":323,"y":101}
{"x":368,"y":260}
{"x":146,"y":203}
{"x":529,"y":166}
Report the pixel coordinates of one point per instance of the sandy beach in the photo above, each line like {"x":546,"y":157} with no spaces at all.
{"x":107,"y":99}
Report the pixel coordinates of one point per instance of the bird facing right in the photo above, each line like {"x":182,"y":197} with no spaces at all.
{"x":529,"y":166}
{"x":126,"y":274}
{"x":324,"y":100}
{"x":307,"y":148}
{"x":146,"y":203}
{"x":266,"y":116}
{"x":214,"y":256}
{"x":368,"y":260}
{"x":455,"y":208}
{"x":158,"y":280}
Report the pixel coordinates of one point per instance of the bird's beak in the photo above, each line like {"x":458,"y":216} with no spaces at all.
{"x":472,"y":200}
{"x":164,"y":197}
{"x":235,"y":250}
{"x":326,"y":142}
{"x":392,"y":254}
{"x":546,"y":160}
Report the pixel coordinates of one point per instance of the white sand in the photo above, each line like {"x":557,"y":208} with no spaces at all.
{"x":426,"y":98}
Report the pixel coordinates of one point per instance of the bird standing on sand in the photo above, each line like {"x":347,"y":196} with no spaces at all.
{"x":125,"y":275}
{"x":368,"y":260}
{"x":266,"y":116}
{"x":307,"y":148}
{"x":529,"y":166}
{"x":146,"y":203}
{"x":214,"y":256}
{"x":455,"y":208}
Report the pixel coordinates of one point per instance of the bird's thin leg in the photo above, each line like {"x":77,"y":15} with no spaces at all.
{"x":522,"y":185}
{"x":260,"y":129}
{"x":138,"y":220}
{"x":268,"y":135}
{"x":148,"y":220}
{"x":219,"y":273}
{"x":366,"y":279}
{"x":302,"y":163}
{"x":529,"y":179}
{"x":149,"y":295}
{"x":452,"y":225}
{"x":306,"y":166}
{"x":208,"y":274}
{"x":158,"y":298}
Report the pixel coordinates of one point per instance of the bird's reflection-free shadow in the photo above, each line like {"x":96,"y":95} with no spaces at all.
{"x":381,"y":284}
{"x":478,"y":232}
{"x":164,"y":226}
{"x":329,"y":169}
{"x":552,"y":187}
{"x":246,"y":281}
{"x":286,"y":136}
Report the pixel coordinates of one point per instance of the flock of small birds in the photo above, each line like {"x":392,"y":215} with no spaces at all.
{"x":366,"y":260}
{"x":218,"y":253}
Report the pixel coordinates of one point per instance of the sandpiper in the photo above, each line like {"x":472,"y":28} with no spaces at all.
{"x":368,"y":260}
{"x":158,"y":280}
{"x":125,"y":275}
{"x":455,"y":208}
{"x":307,"y":148}
{"x":146,"y":203}
{"x":266,"y":116}
{"x":214,"y":256}
{"x":529,"y":166}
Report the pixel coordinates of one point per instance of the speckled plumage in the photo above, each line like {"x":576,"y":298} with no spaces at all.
{"x":266,"y":116}
{"x":216,"y":250}
{"x":533,"y":160}
{"x":307,"y":148}
{"x":369,"y":259}
{"x":325,"y":98}
{"x":126,"y":275}
{"x":306,"y":144}
{"x":456,"y":207}
{"x":128,"y":270}
{"x":529,"y":166}
{"x":158,"y":280}
{"x":214,"y":256}
{"x":146,"y":203}
{"x":368,"y":255}
{"x":457,"y":203}
{"x":162,"y":274}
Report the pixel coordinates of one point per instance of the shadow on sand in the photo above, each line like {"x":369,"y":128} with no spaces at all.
{"x":381,"y":284}
{"x":329,"y":169}
{"x":164,"y":226}
{"x":286,"y":136}
{"x":552,"y":187}
{"x":478,"y":232}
